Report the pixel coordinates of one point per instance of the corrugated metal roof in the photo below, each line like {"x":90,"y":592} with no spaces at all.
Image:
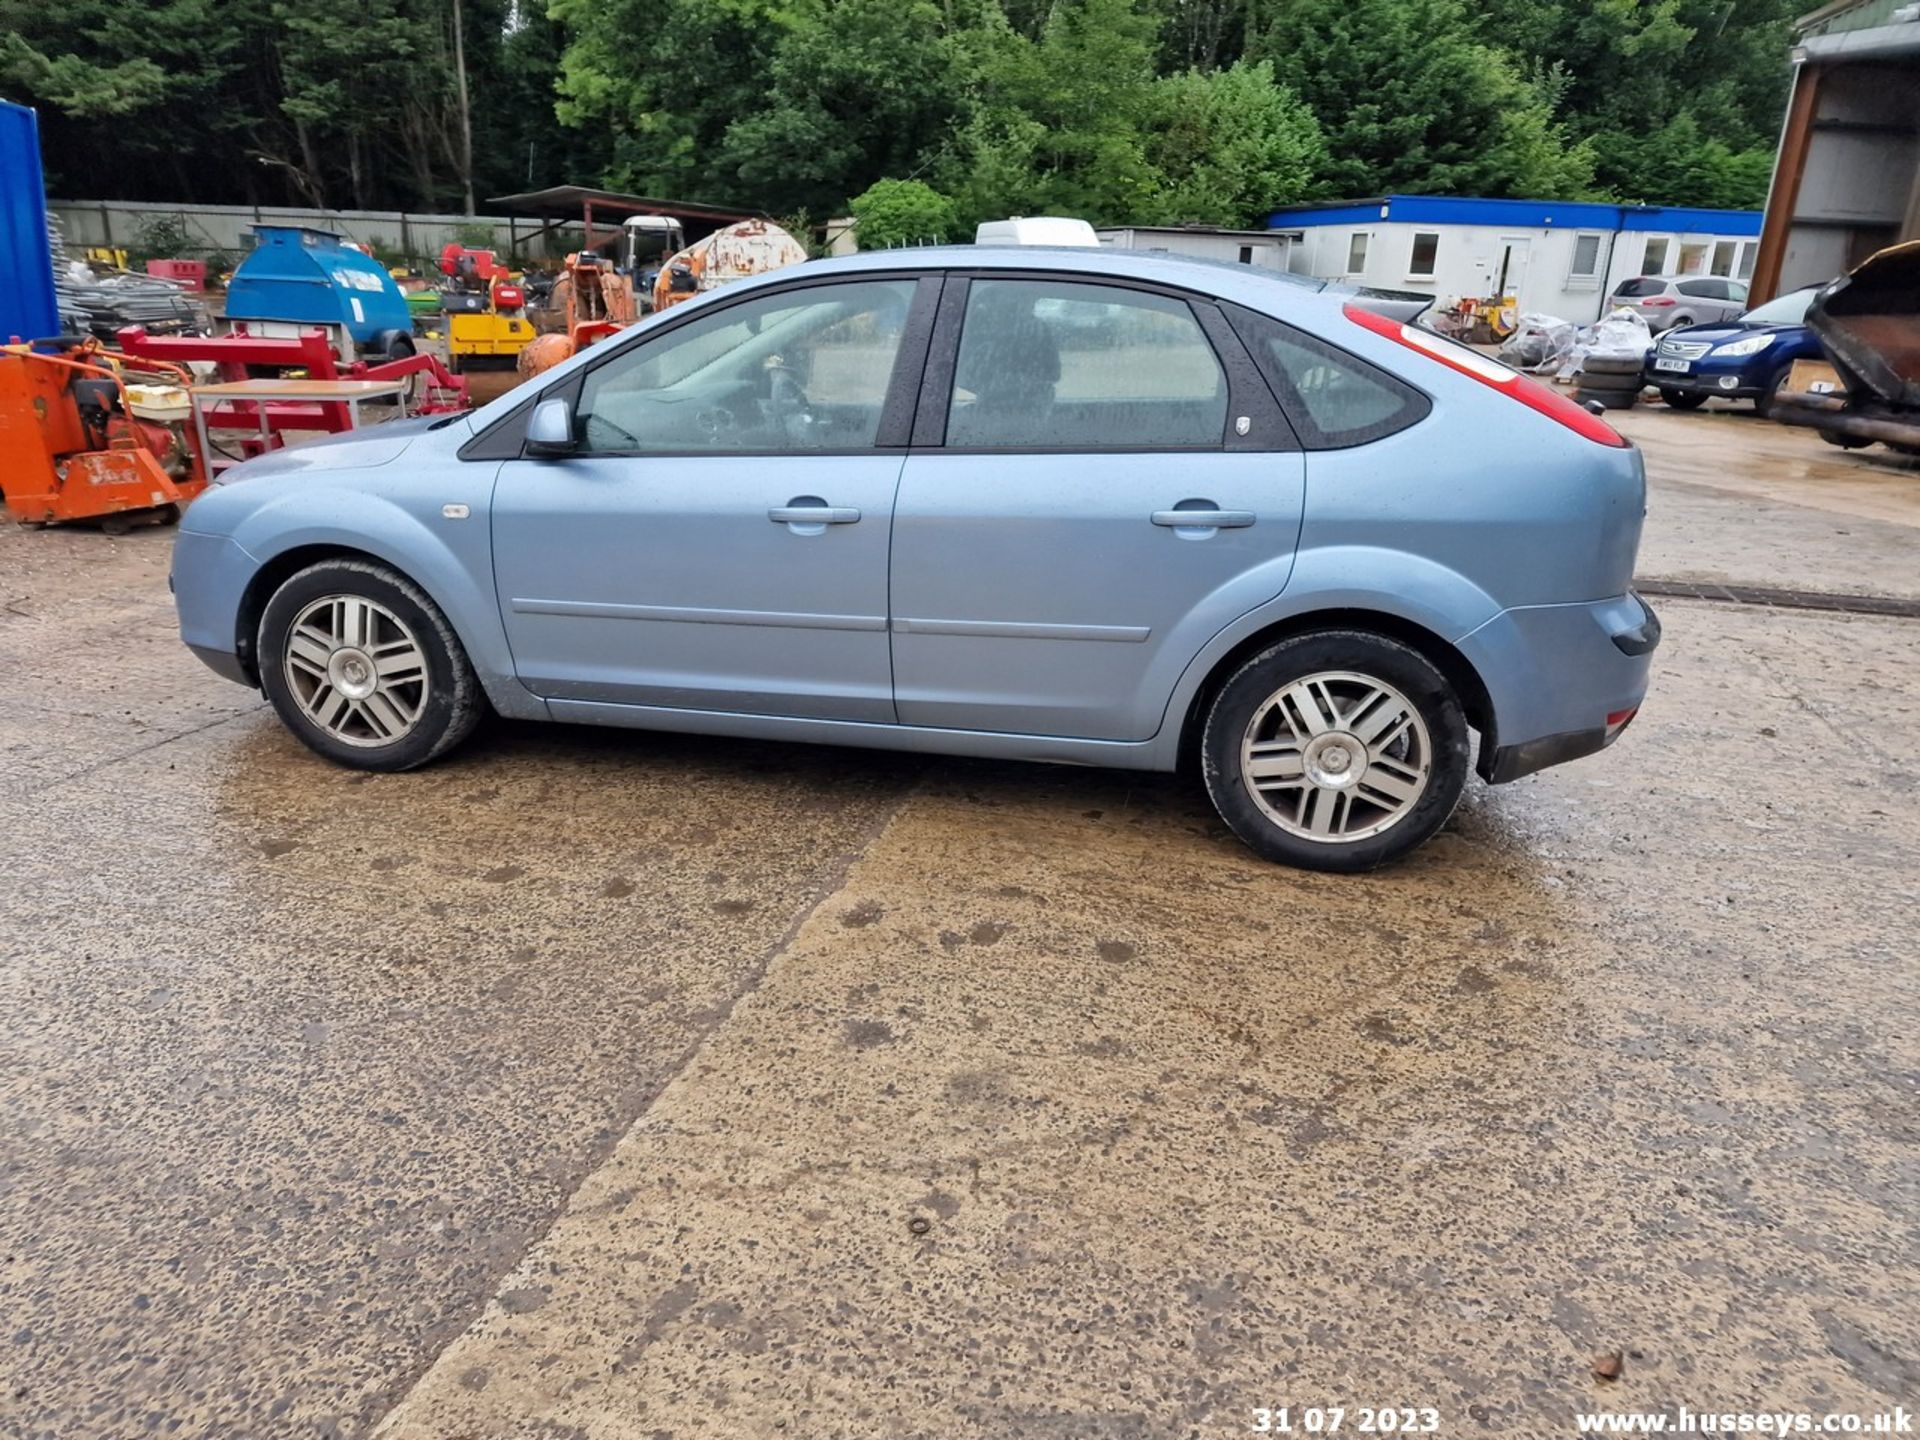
{"x":562,"y":199}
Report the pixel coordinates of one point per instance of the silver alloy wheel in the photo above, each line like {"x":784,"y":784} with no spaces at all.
{"x":356,"y":671}
{"x":1336,"y":756}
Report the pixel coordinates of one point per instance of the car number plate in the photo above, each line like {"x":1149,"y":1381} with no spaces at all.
{"x":1681,"y":365}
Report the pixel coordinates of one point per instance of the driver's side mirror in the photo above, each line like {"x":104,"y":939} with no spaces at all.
{"x":550,"y":429}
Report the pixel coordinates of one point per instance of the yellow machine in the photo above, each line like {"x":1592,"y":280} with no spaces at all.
{"x":486,"y":311}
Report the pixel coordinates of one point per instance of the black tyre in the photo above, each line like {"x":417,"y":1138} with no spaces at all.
{"x":1683,"y":399}
{"x":1843,"y":440}
{"x":1763,"y":404}
{"x":364,"y":668}
{"x":1612,"y":365}
{"x":1607,"y":399}
{"x":1335,"y":750}
{"x":400,"y":348}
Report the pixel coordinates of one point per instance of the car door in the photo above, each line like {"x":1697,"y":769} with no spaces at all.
{"x":1098,"y":481}
{"x":717,"y":538}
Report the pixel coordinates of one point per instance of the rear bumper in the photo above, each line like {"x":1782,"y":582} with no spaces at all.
{"x":1563,"y":681}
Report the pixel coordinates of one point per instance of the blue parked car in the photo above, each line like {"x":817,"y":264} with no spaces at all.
{"x":1080,"y":506}
{"x":1744,"y":359}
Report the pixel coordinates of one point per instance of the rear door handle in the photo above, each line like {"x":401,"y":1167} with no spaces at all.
{"x":1203,"y":519}
{"x":813,"y":515}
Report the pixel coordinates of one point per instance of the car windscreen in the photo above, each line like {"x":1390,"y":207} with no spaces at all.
{"x":1787,"y":309}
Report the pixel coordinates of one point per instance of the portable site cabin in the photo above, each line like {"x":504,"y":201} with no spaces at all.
{"x":1557,"y":258}
{"x":1263,"y":249}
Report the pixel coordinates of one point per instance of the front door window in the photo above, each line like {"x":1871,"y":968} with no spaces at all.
{"x":794,"y":372}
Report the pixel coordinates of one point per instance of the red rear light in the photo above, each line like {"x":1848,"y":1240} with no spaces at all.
{"x":1619,"y":720}
{"x":1472,"y":363}
{"x":1659,"y":300}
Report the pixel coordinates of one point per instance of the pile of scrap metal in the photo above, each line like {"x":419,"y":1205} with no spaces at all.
{"x":1868,"y":389}
{"x":92,"y":435}
{"x":109,"y":303}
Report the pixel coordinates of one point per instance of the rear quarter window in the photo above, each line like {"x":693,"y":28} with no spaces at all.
{"x":1334,"y":400}
{"x":1636,"y":288}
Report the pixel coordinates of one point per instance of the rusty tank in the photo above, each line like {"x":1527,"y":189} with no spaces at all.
{"x":751,"y":247}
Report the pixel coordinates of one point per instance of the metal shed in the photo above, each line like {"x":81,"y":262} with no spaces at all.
{"x":1846,"y":179}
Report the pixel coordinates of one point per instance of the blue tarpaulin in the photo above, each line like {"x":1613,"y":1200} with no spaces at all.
{"x":27,"y":306}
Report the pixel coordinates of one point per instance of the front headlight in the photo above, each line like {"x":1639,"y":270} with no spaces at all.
{"x":1752,"y":345}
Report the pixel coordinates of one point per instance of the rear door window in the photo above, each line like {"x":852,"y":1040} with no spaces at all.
{"x":1704,"y":289}
{"x":1335,"y":400}
{"x":1056,"y":365}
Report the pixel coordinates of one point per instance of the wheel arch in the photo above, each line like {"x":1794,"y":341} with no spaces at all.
{"x":1445,"y":657}
{"x":275,"y":572}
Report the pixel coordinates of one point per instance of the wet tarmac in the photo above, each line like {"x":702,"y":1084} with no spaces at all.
{"x":606,"y":1085}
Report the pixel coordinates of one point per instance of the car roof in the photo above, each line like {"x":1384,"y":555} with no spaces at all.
{"x":1250,"y":285}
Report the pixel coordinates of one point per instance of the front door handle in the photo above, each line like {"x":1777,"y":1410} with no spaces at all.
{"x":813,"y":515}
{"x":1203,"y":519}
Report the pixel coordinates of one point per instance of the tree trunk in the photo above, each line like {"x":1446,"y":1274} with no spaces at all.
{"x":466,"y":111}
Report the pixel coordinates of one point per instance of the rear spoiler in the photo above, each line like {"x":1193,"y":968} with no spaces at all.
{"x":1406,"y":306}
{"x":1868,"y":322}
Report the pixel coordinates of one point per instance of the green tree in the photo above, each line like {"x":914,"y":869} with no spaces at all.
{"x":865,"y":91}
{"x":1057,"y":122}
{"x":1412,"y":99}
{"x":902,"y":212}
{"x":1681,"y":98}
{"x":1228,"y":146}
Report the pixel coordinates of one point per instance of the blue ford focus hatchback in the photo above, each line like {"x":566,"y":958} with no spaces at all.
{"x":1079,"y":506}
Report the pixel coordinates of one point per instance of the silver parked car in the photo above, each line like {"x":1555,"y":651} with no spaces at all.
{"x":1092,"y":507}
{"x":1670,"y":300}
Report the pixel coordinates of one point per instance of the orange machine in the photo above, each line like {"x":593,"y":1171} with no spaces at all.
{"x":596,"y":300}
{"x":79,"y":441}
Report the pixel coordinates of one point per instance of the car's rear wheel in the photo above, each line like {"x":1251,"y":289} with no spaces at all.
{"x":364,"y":668}
{"x":1683,"y":399}
{"x":1335,"y":750}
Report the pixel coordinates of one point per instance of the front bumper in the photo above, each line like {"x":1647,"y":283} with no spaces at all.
{"x":1708,"y":382}
{"x":209,"y":580}
{"x":1563,"y":681}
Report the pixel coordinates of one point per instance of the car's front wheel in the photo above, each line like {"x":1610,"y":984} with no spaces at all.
{"x":1335,"y":750}
{"x":1683,"y":399}
{"x":364,"y":668}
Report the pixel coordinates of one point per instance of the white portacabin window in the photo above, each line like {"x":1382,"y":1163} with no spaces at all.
{"x":1357,"y":252}
{"x":1584,"y":271}
{"x":1426,"y":254}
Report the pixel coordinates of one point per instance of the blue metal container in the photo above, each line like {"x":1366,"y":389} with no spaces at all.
{"x":28,"y":309}
{"x":307,"y":277}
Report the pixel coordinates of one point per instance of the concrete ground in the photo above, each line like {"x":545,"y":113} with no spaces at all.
{"x":596,"y":1084}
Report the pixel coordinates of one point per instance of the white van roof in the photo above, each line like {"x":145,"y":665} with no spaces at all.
{"x":1035,"y":230}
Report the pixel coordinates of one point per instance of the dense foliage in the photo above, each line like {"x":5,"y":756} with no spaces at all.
{"x":1116,"y":110}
